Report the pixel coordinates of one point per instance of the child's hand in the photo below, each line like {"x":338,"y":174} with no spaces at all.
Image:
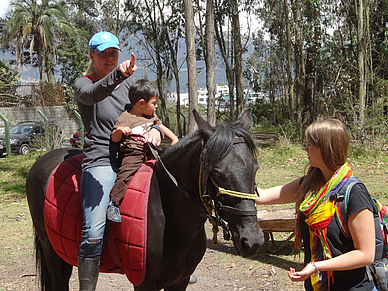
{"x":125,"y":130}
{"x":174,"y":141}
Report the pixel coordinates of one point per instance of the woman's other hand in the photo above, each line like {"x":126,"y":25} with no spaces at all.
{"x":128,"y":67}
{"x":302,"y":275}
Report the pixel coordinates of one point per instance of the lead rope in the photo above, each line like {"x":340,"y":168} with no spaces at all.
{"x":209,"y":210}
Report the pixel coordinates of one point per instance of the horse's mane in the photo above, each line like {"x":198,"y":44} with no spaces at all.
{"x":219,"y":144}
{"x":215,"y":148}
{"x":182,"y":145}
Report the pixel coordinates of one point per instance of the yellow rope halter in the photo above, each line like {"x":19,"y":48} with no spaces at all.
{"x":209,"y":208}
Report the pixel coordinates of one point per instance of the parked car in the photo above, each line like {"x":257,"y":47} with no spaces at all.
{"x":21,"y":136}
{"x":75,"y":138}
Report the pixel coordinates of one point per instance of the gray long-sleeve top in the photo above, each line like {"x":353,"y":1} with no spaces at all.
{"x":100,"y":103}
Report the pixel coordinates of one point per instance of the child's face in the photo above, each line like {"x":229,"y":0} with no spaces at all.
{"x":150,"y":106}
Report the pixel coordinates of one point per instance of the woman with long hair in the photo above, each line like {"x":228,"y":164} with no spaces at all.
{"x":332,"y":261}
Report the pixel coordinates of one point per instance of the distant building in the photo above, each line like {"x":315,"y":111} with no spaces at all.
{"x":221,"y":95}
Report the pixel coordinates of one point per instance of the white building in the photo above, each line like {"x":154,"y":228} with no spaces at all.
{"x":221,"y":94}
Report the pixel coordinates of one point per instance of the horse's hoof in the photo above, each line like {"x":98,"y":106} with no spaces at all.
{"x":193,"y":280}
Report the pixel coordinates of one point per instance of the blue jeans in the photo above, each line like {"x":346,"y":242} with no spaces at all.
{"x":96,"y":183}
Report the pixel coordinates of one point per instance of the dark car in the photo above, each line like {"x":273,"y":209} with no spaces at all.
{"x":21,"y":136}
{"x":75,"y":138}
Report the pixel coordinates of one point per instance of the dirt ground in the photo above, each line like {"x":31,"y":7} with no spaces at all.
{"x":220,"y":269}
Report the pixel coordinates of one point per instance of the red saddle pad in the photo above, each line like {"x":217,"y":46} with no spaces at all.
{"x":63,"y":220}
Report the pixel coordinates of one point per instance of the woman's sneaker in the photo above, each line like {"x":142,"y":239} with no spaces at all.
{"x":113,"y":212}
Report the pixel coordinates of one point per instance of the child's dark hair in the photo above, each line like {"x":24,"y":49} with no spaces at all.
{"x":142,"y":89}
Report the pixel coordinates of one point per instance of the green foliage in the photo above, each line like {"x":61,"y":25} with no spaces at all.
{"x":69,"y":100}
{"x":73,"y":58}
{"x":8,"y":74}
{"x":38,"y":26}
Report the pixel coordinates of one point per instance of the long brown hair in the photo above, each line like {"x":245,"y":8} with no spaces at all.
{"x":331,"y":136}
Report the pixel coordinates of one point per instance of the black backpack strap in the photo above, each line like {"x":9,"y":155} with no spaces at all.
{"x":379,"y":270}
{"x":376,"y":270}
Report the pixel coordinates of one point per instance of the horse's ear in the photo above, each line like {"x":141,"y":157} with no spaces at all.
{"x":245,"y":121}
{"x":203,"y":125}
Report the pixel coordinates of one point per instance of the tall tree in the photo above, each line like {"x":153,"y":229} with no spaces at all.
{"x":238,"y":52}
{"x":207,"y":52}
{"x":362,"y":12}
{"x":172,"y":25}
{"x":299,"y":60}
{"x":290,"y":80}
{"x":225,"y":48}
{"x":191,"y":63}
{"x":210,"y":63}
{"x":39,"y":26}
{"x":147,"y":25}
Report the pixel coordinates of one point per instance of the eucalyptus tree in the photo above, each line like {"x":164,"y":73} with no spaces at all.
{"x":172,"y":21}
{"x":115,"y":17}
{"x":205,"y":15}
{"x":210,"y":63}
{"x":146,"y":24}
{"x":225,"y":47}
{"x":191,"y":63}
{"x":379,"y":41}
{"x":40,"y":26}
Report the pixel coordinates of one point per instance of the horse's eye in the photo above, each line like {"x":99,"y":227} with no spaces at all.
{"x":217,"y":172}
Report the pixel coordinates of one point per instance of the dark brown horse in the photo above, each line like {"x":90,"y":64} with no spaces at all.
{"x":201,"y":163}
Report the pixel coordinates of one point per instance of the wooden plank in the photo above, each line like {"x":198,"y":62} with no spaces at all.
{"x":277,"y":220}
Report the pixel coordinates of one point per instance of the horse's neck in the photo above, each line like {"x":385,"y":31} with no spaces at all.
{"x":184,"y":166}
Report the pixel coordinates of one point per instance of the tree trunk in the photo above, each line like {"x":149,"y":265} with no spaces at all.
{"x":290,"y":81}
{"x":191,"y":63}
{"x":361,"y":45}
{"x":238,"y":59}
{"x":163,"y":106}
{"x":210,"y":64}
{"x":299,"y":63}
{"x":309,"y":89}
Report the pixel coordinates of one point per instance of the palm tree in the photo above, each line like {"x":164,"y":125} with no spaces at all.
{"x":39,"y":27}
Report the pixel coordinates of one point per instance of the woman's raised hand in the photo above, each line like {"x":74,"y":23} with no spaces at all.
{"x":128,"y":67}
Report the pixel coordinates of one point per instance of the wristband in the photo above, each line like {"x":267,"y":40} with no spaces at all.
{"x":315,"y":266}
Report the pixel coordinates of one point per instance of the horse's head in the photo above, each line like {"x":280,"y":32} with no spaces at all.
{"x":228,"y":169}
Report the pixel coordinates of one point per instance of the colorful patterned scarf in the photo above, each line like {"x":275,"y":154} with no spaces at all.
{"x":319,"y":209}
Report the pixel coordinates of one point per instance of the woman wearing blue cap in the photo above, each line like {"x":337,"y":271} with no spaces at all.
{"x":102,"y":95}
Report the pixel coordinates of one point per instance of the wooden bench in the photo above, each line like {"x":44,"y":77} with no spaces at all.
{"x":276,"y":220}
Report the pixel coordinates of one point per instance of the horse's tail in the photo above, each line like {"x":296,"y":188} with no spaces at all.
{"x":41,"y":267}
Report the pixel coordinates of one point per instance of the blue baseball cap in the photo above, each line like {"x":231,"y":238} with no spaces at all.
{"x":103,"y":40}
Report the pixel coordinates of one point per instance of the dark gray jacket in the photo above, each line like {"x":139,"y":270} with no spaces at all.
{"x":100,"y":103}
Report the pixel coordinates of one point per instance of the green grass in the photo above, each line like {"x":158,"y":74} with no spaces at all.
{"x":16,"y":240}
{"x":13,"y":175}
